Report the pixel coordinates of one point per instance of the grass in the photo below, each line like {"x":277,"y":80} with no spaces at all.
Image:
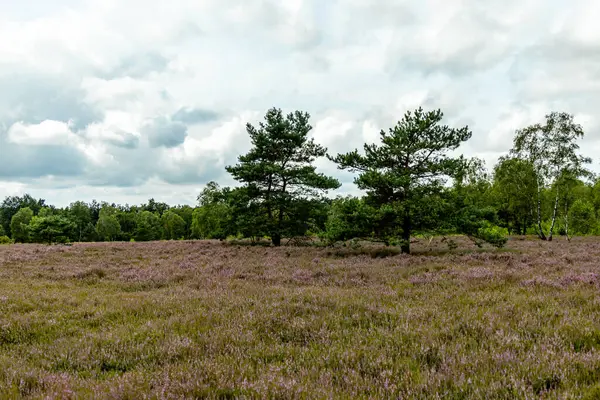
{"x":206,"y":319}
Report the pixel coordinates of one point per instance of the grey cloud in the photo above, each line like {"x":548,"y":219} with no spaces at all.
{"x":28,"y":162}
{"x":134,"y":168}
{"x":162,"y":132}
{"x":128,"y":140}
{"x":191,"y":116}
{"x":138,"y":66}
{"x":186,"y":31}
{"x":117,"y":178}
{"x":165,"y":95}
{"x":210,"y":169}
{"x":270,"y":17}
{"x":33,"y":99}
{"x":558,"y":68}
{"x":128,"y":168}
{"x":384,"y":14}
{"x":476,"y":38}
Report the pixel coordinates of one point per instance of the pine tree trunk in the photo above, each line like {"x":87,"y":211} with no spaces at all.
{"x":406,"y":230}
{"x":277,"y":236}
{"x":276,"y":239}
{"x":553,"y":215}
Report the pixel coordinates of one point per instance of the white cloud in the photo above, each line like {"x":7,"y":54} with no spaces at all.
{"x":148,"y":99}
{"x":53,"y":133}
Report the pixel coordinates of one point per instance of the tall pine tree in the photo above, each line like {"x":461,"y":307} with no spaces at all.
{"x":278,"y":172}
{"x":409,"y":166}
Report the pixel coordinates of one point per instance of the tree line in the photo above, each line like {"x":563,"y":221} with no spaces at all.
{"x":412,"y":185}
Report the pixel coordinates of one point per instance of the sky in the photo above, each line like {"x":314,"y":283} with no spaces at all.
{"x":129,"y":100}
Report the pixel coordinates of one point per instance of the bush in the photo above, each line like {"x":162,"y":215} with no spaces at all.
{"x":5,"y":240}
{"x":582,"y":217}
{"x":493,"y":234}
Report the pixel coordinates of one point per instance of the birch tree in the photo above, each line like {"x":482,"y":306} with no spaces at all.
{"x":553,"y":150}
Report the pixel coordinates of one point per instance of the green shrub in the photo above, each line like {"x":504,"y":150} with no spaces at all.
{"x":5,"y":240}
{"x":493,"y":234}
{"x":582,"y":217}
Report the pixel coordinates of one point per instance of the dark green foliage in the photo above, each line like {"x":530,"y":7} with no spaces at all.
{"x":155,"y":207}
{"x":128,"y":223}
{"x":514,"y":191}
{"x":12,"y":204}
{"x":582,"y":218}
{"x":51,"y":229}
{"x":81,"y":215}
{"x":492,"y":234}
{"x":19,"y":225}
{"x":552,"y":150}
{"x":211,"y":221}
{"x":148,"y":227}
{"x":594,"y":194}
{"x":186,"y":213}
{"x":173,"y":226}
{"x":248,"y":219}
{"x":467,"y":208}
{"x":411,"y":163}
{"x":213,"y":218}
{"x":352,"y":217}
{"x":108,"y":227}
{"x":278,"y":173}
{"x":413,"y":185}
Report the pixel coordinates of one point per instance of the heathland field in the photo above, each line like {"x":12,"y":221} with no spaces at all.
{"x":202,"y":319}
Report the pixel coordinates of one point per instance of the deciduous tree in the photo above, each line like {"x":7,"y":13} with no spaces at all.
{"x":19,"y":225}
{"x":173,"y":226}
{"x":553,"y":151}
{"x":514,"y":189}
{"x":108,"y":227}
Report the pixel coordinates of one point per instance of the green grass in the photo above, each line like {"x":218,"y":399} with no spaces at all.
{"x":211,"y":320}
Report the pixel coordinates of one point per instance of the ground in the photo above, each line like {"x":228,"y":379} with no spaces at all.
{"x":204,"y":319}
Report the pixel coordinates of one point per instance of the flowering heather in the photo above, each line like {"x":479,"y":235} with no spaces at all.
{"x":205,"y":319}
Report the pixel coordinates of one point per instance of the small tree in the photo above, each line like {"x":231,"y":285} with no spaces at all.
{"x":51,"y":229}
{"x":12,"y":204}
{"x":186,"y":213}
{"x":582,"y":217}
{"x":127,"y":218}
{"x":514,"y":187}
{"x":552,"y":149}
{"x":155,"y":207}
{"x":595,"y":195}
{"x":19,"y":225}
{"x":213,"y":218}
{"x":355,"y":218}
{"x":411,"y":163}
{"x":211,"y":221}
{"x":108,"y":227}
{"x":466,"y":208}
{"x":173,"y":226}
{"x":79,"y":212}
{"x":278,"y":171}
{"x":148,"y":227}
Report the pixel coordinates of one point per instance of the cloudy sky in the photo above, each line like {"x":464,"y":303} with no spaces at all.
{"x":127,"y":100}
